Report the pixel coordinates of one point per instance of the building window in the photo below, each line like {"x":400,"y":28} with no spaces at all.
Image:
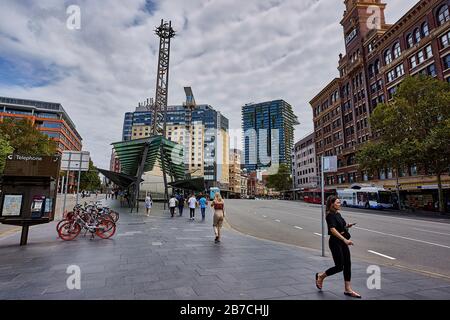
{"x":388,"y":57}
{"x":417,"y":35}
{"x":392,"y":92}
{"x":431,"y":70}
{"x":413,"y":62}
{"x":445,"y":40}
{"x":421,"y":57}
{"x":425,"y":29}
{"x":377,"y":66}
{"x":391,"y":76}
{"x":447,"y":62}
{"x":443,"y":15}
{"x":371,"y":71}
{"x":410,"y":40}
{"x":429,"y":52}
{"x":397,"y":50}
{"x":400,"y":70}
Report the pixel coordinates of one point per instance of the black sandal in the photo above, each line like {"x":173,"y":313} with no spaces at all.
{"x":317,"y":278}
{"x":353,"y":294}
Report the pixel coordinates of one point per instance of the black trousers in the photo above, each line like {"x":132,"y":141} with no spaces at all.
{"x":192,"y":212}
{"x":341,"y":257}
{"x":172,"y":211}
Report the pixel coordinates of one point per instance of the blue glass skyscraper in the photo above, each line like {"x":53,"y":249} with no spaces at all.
{"x":268,"y":129}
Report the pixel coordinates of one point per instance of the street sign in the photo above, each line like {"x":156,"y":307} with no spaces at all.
{"x":330,"y":164}
{"x":75,"y":161}
{"x":31,"y":166}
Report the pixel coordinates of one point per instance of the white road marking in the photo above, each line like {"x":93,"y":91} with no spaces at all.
{"x":264,"y":216}
{"x":445,"y":234}
{"x":300,"y":228}
{"x":277,"y":220}
{"x":317,"y":234}
{"x":405,"y":238}
{"x":129,"y":233}
{"x":380,"y":254}
{"x":156,"y":243}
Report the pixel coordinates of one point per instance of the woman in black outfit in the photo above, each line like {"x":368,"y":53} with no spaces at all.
{"x":339,"y":246}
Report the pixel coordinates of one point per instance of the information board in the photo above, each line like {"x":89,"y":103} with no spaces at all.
{"x":29,"y":166}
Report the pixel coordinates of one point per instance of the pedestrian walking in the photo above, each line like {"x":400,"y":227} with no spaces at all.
{"x":181,"y":201}
{"x":121,"y":198}
{"x":148,"y":203}
{"x":203,"y":203}
{"x":219,"y":214}
{"x":172,"y":205}
{"x":339,"y":245}
{"x":192,"y":202}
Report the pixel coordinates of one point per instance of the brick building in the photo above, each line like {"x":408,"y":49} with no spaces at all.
{"x":378,"y":57}
{"x":304,"y":169}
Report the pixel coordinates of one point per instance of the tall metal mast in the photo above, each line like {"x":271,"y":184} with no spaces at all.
{"x":165,"y":32}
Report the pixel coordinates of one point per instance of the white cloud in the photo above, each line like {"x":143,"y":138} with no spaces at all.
{"x":230,"y":51}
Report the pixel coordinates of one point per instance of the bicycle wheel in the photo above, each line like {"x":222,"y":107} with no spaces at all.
{"x":106,"y":228}
{"x":60,"y":223}
{"x":69,"y":230}
{"x":114,"y":215}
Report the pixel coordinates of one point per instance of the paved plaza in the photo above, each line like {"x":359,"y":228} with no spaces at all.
{"x":161,"y":258}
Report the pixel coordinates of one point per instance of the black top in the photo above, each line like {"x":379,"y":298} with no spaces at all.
{"x":335,"y":220}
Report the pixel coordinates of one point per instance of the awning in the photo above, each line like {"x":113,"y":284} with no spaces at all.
{"x":120,"y":179}
{"x":130,"y":156}
{"x":196,"y":184}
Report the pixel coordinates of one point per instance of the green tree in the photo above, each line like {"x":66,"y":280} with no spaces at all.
{"x":282,"y":180}
{"x":5,"y":149}
{"x":412,"y":128}
{"x":90,"y":180}
{"x":26,"y":139}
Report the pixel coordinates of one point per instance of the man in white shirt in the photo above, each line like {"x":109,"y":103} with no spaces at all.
{"x":172,"y":205}
{"x":192,"y":204}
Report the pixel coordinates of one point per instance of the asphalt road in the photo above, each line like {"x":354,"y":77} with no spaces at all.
{"x":419,"y":244}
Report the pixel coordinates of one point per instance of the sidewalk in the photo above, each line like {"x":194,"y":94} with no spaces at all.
{"x":169,"y":259}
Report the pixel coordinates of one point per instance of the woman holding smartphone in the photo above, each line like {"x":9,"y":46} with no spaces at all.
{"x":339,"y":245}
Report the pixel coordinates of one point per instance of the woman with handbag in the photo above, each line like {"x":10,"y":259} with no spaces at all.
{"x":339,"y":245}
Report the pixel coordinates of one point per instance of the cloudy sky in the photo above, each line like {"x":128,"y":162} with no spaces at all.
{"x":231,"y":52}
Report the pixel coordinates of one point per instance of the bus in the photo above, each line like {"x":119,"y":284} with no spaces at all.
{"x":315,"y":195}
{"x":366,"y":197}
{"x":212,"y":192}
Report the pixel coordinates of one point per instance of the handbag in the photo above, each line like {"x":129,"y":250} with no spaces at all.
{"x":347,"y":234}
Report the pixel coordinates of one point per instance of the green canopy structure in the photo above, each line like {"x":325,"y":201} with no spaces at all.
{"x":139,"y":156}
{"x":130,"y":155}
{"x":122,"y":180}
{"x":195,"y":184}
